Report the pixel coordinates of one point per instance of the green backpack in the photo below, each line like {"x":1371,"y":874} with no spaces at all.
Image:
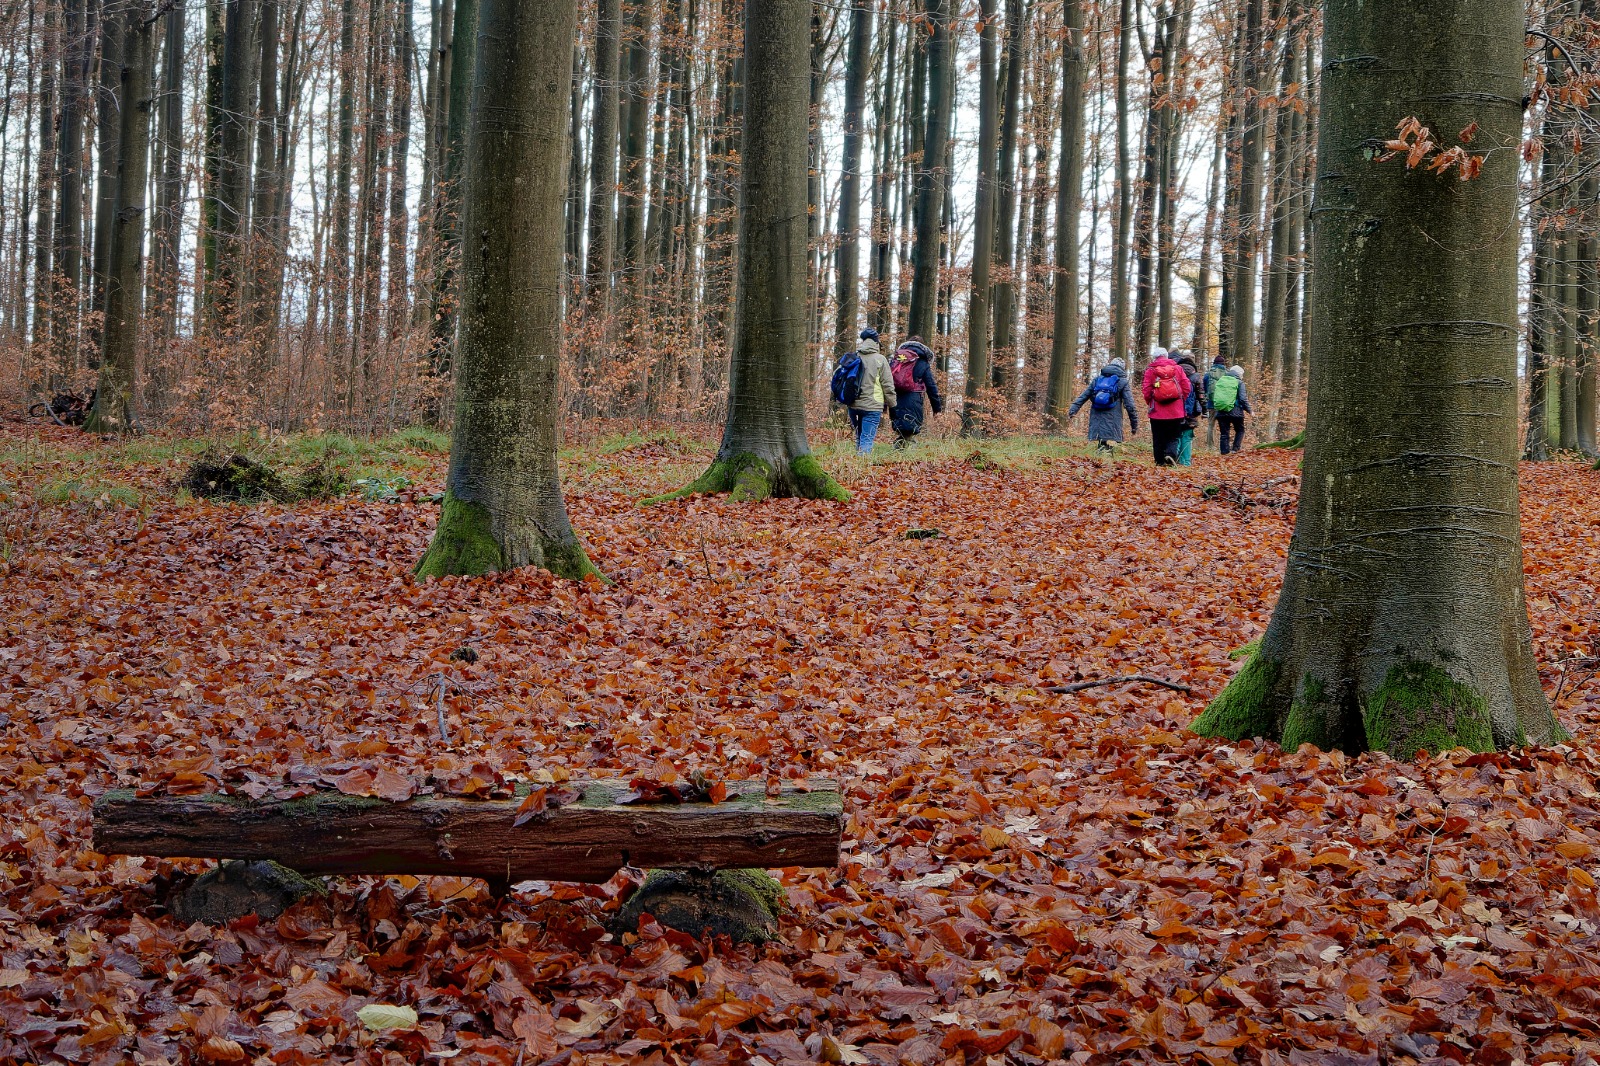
{"x":1225,"y":394}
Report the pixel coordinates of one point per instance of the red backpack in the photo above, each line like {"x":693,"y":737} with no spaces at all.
{"x":1165,"y":388}
{"x":905,"y":371}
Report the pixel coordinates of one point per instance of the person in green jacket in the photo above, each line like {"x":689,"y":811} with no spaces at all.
{"x":877,"y":392}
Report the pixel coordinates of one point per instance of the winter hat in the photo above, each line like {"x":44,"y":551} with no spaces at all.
{"x":1157,"y":352}
{"x":1219,"y":361}
{"x":1236,"y":370}
{"x":1118,"y":362}
{"x":869,"y":334}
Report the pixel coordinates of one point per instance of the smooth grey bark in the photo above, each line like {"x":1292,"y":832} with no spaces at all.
{"x":635,"y":129}
{"x":44,"y":200}
{"x":462,"y":62}
{"x":1587,"y":309}
{"x":1069,"y":207}
{"x":166,"y":244}
{"x":1201,"y":339}
{"x":1285,"y":163}
{"x":114,"y":389}
{"x":1003,"y":363}
{"x":764,"y":451}
{"x":603,"y":158}
{"x":69,"y":235}
{"x":848,"y":257}
{"x":983,"y":224}
{"x":1244,"y":287}
{"x":112,"y":16}
{"x":240,"y":53}
{"x":931,"y":174}
{"x":503,"y":506}
{"x":1402,"y":625}
{"x":1120,"y":303}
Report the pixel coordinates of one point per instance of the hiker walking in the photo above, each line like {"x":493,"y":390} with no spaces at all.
{"x":1231,"y":404}
{"x":1218,"y":368}
{"x":1108,"y":396}
{"x":1194,"y":406}
{"x":1165,"y":390}
{"x":864,"y":384}
{"x":912,"y":371}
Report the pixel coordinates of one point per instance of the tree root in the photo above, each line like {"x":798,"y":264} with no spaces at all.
{"x":748,"y":478}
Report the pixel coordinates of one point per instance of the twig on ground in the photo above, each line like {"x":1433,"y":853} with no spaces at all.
{"x":705,"y":557}
{"x":444,"y":733}
{"x":1143,"y":678}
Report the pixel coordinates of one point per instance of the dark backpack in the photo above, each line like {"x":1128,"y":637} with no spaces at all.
{"x":1191,"y":402}
{"x":905,"y":375}
{"x":1107,"y":387}
{"x":847,"y":380}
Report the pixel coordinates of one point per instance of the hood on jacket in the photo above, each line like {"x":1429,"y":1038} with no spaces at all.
{"x":1162,"y":360}
{"x":868,"y":346}
{"x":915,"y":349}
{"x":1187,"y":360}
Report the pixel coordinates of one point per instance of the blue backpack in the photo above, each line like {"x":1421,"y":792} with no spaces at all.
{"x":1191,"y":403}
{"x":847,"y":380}
{"x":1107,"y":388}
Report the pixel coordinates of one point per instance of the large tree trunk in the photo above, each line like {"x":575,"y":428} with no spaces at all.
{"x":848,"y":261}
{"x":503,"y":506}
{"x":764,"y":450}
{"x":1402,"y":625}
{"x":982,"y":225}
{"x":931,"y":175}
{"x":113,"y":404}
{"x":1064,"y":344}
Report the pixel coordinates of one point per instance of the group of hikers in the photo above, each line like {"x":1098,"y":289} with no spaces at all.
{"x":1177,"y":398}
{"x":869,"y":385}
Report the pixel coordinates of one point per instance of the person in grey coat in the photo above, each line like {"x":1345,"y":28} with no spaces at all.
{"x":1108,"y":396}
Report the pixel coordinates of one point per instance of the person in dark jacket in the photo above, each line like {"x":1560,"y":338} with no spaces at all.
{"x":1194,"y":406}
{"x":913,"y":377}
{"x":1231,"y":405}
{"x":1106,"y":410}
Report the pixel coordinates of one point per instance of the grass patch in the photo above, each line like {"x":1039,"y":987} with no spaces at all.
{"x":97,"y":495}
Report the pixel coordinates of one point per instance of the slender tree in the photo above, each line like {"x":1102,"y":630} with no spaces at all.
{"x":1373,"y":644}
{"x":503,"y":507}
{"x":1069,"y":194}
{"x":764,"y":451}
{"x":114,"y":391}
{"x":931,"y":173}
{"x":848,"y":264}
{"x":603,"y":156}
{"x":983,"y":222}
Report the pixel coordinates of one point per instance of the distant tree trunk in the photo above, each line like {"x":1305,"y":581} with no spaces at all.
{"x":44,"y":225}
{"x":603,"y":157}
{"x":264,"y":194}
{"x":1069,"y":192}
{"x":1285,"y":162}
{"x":1175,"y":89}
{"x":503,"y":507}
{"x":114,"y":390}
{"x":983,"y":223}
{"x":447,"y":194}
{"x":113,"y":16}
{"x":1119,"y":256}
{"x":1588,"y":309}
{"x":1374,"y":645}
{"x":403,"y":51}
{"x":166,"y":241}
{"x":215,"y":36}
{"x":635,"y":129}
{"x":879,"y":289}
{"x":1252,"y":150}
{"x":931,"y":176}
{"x":1543,"y":329}
{"x":764,"y":450}
{"x":1004,"y":361}
{"x":1568,"y":296}
{"x":78,"y":49}
{"x":240,"y":53}
{"x":848,"y":264}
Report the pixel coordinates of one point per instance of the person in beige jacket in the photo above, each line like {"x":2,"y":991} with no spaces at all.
{"x":877,"y":392}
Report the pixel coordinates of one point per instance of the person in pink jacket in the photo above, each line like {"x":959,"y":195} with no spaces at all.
{"x":1166,"y":387}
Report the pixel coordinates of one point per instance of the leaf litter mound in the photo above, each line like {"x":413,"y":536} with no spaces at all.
{"x":1028,"y":876}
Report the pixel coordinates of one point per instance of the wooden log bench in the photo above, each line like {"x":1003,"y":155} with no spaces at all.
{"x":587,"y":840}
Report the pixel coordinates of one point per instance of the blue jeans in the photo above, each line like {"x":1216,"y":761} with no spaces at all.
{"x":866,"y":425}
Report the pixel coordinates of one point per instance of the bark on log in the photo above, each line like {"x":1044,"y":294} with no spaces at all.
{"x":331,"y":833}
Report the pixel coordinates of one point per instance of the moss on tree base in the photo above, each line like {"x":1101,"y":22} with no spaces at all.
{"x":748,"y":478}
{"x":464,"y":544}
{"x":1419,"y":707}
{"x":742,"y":905}
{"x":1294,"y":443}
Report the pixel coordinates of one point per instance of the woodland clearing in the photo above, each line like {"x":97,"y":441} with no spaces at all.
{"x":1028,"y":875}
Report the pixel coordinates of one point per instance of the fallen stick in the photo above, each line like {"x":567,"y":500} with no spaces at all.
{"x":1145,"y":678}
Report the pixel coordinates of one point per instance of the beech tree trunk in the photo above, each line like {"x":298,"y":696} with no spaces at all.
{"x":113,"y":402}
{"x":764,"y":450}
{"x":603,"y":157}
{"x":983,"y":224}
{"x":848,"y":260}
{"x":1402,"y":625}
{"x":1064,"y":344}
{"x":1003,"y":363}
{"x":503,"y":507}
{"x":931,"y":174}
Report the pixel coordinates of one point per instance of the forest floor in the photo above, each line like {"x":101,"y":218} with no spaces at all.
{"x":1027,"y":876}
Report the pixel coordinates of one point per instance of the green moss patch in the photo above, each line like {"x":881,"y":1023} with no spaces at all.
{"x":1244,"y":708}
{"x":463,"y":543}
{"x":1419,"y":707}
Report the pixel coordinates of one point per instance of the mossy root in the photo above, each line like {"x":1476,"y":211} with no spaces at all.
{"x":742,"y":905}
{"x":748,"y":478}
{"x":464,"y":544}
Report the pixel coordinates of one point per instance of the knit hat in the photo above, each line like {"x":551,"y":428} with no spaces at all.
{"x":1118,"y":362}
{"x":1236,"y":370}
{"x":869,"y":334}
{"x":1157,"y":352}
{"x":1219,"y":360}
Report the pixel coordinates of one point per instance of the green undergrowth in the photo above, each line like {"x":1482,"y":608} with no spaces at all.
{"x":88,"y":493}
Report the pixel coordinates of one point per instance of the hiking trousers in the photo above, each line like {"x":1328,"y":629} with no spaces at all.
{"x":1231,"y":428}
{"x":1164,"y":433}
